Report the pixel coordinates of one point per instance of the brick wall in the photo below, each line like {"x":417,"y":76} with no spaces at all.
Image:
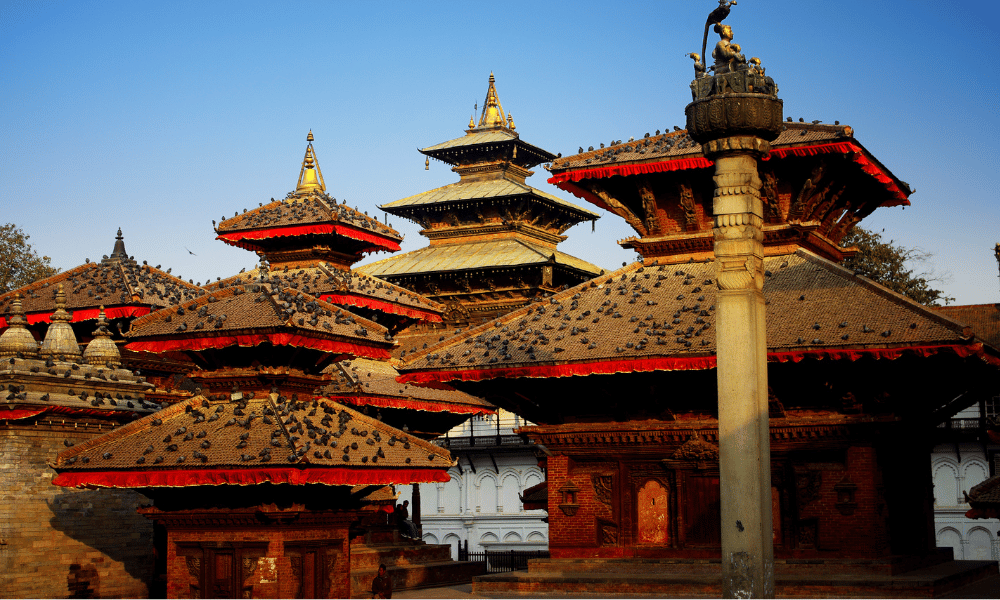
{"x":58,"y":542}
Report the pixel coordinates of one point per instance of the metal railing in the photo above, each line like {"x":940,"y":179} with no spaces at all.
{"x":502,"y":561}
{"x":484,"y":441}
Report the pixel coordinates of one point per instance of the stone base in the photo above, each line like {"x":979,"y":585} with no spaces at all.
{"x":702,"y":578}
{"x":411,"y":565}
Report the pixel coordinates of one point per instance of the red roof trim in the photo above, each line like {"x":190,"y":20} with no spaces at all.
{"x":688,"y":363}
{"x":17,"y":414}
{"x":566,"y":179}
{"x":238,"y":238}
{"x":87,"y":314}
{"x":409,"y":403}
{"x":386,"y":307}
{"x":250,"y":476}
{"x":277,"y":339}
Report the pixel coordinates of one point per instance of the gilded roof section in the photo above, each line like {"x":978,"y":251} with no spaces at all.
{"x":273,"y":430}
{"x":655,"y":311}
{"x":307,"y":209}
{"x":257,"y":307}
{"x":367,"y":377}
{"x":485,"y":254}
{"x":474,"y":138}
{"x":475,"y":190}
{"x":108,"y":283}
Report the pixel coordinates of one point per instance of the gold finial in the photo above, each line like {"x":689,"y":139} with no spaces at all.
{"x":510,"y":122}
{"x":102,"y":350}
{"x":472,"y":121}
{"x":427,"y":164}
{"x":492,"y":110}
{"x":17,"y":338}
{"x":310,"y":176}
{"x":60,"y":341}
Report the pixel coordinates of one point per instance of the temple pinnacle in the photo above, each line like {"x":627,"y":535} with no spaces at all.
{"x":310,"y":176}
{"x":493,"y":115}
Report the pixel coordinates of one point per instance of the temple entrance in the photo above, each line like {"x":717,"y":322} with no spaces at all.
{"x":702,"y":508}
{"x":654,"y":513}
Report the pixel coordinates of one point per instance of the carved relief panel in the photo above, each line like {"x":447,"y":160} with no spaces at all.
{"x":653,"y":513}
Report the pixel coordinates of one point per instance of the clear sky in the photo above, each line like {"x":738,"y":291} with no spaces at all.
{"x":161,"y":116}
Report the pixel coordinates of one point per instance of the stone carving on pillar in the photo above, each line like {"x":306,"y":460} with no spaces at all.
{"x":735,"y":113}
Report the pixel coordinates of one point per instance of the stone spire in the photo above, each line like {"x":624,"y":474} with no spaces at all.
{"x":492,"y":110}
{"x":102,"y":350}
{"x":119,"y":251}
{"x":60,"y":341}
{"x":310,"y":176}
{"x":17,"y":338}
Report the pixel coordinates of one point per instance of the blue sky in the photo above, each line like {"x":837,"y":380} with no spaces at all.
{"x":159,"y":117}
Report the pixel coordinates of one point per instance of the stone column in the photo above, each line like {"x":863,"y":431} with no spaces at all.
{"x":734,"y":115}
{"x":416,"y":510}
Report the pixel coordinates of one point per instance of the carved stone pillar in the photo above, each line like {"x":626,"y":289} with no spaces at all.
{"x":734,"y":115}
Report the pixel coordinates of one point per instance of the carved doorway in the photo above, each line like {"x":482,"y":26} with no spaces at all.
{"x":702,"y":510}
{"x":653,"y":513}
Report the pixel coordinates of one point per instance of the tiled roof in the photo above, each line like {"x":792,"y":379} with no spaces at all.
{"x":655,"y":312}
{"x":323,"y":280}
{"x":984,"y":319}
{"x":364,"y":377}
{"x":679,"y":144}
{"x":986,"y":493}
{"x":72,"y":387}
{"x":412,"y":340}
{"x":306,"y":209}
{"x":473,"y":255}
{"x":109,"y":283}
{"x":257,"y":307}
{"x":274,"y":431}
{"x":474,"y":190}
{"x":474,"y":139}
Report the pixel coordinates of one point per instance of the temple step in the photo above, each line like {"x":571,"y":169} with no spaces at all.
{"x":694,"y":579}
{"x":420,"y":575}
{"x":371,"y":556}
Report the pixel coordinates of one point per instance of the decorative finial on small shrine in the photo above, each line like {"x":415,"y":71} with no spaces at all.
{"x":310,"y":175}
{"x":17,"y":339}
{"x":472,"y":121}
{"x":427,"y":164}
{"x":119,"y":250}
{"x":510,"y":122}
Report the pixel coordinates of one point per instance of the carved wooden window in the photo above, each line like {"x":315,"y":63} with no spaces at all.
{"x":221,"y":570}
{"x":653,"y":513}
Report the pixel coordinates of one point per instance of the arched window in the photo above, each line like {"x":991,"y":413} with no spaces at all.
{"x":949,"y":538}
{"x":487,"y":495}
{"x":945,"y":485}
{"x":980,"y":545}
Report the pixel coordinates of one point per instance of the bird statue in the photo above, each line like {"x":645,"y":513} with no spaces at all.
{"x":699,"y":67}
{"x":714,"y":18}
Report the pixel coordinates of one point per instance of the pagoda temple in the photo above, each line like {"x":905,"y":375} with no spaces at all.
{"x":255,"y":482}
{"x":492,"y":237}
{"x":619,"y":375}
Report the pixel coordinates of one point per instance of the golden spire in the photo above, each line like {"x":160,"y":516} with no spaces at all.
{"x":102,"y":350}
{"x":492,"y":110}
{"x":510,"y":122}
{"x":17,"y":338}
{"x":310,"y":176}
{"x":60,"y":341}
{"x":472,"y":121}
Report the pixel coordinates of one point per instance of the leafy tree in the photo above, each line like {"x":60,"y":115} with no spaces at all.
{"x":19,"y":263}
{"x":890,"y":265}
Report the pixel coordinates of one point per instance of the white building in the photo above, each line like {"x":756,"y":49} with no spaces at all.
{"x":481,"y":504}
{"x":960,"y":460}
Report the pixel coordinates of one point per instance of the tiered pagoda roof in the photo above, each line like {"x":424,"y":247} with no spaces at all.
{"x":308,"y":225}
{"x":249,"y":441}
{"x":120,"y":284}
{"x":490,"y":233}
{"x":651,"y":317}
{"x":819,"y":181}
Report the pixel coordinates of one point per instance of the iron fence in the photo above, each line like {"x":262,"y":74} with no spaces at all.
{"x":502,"y":561}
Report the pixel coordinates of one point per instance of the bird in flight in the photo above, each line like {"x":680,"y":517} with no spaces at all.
{"x":189,"y":252}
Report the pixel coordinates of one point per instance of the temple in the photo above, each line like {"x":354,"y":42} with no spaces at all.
{"x":492,"y":237}
{"x":634,"y":486}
